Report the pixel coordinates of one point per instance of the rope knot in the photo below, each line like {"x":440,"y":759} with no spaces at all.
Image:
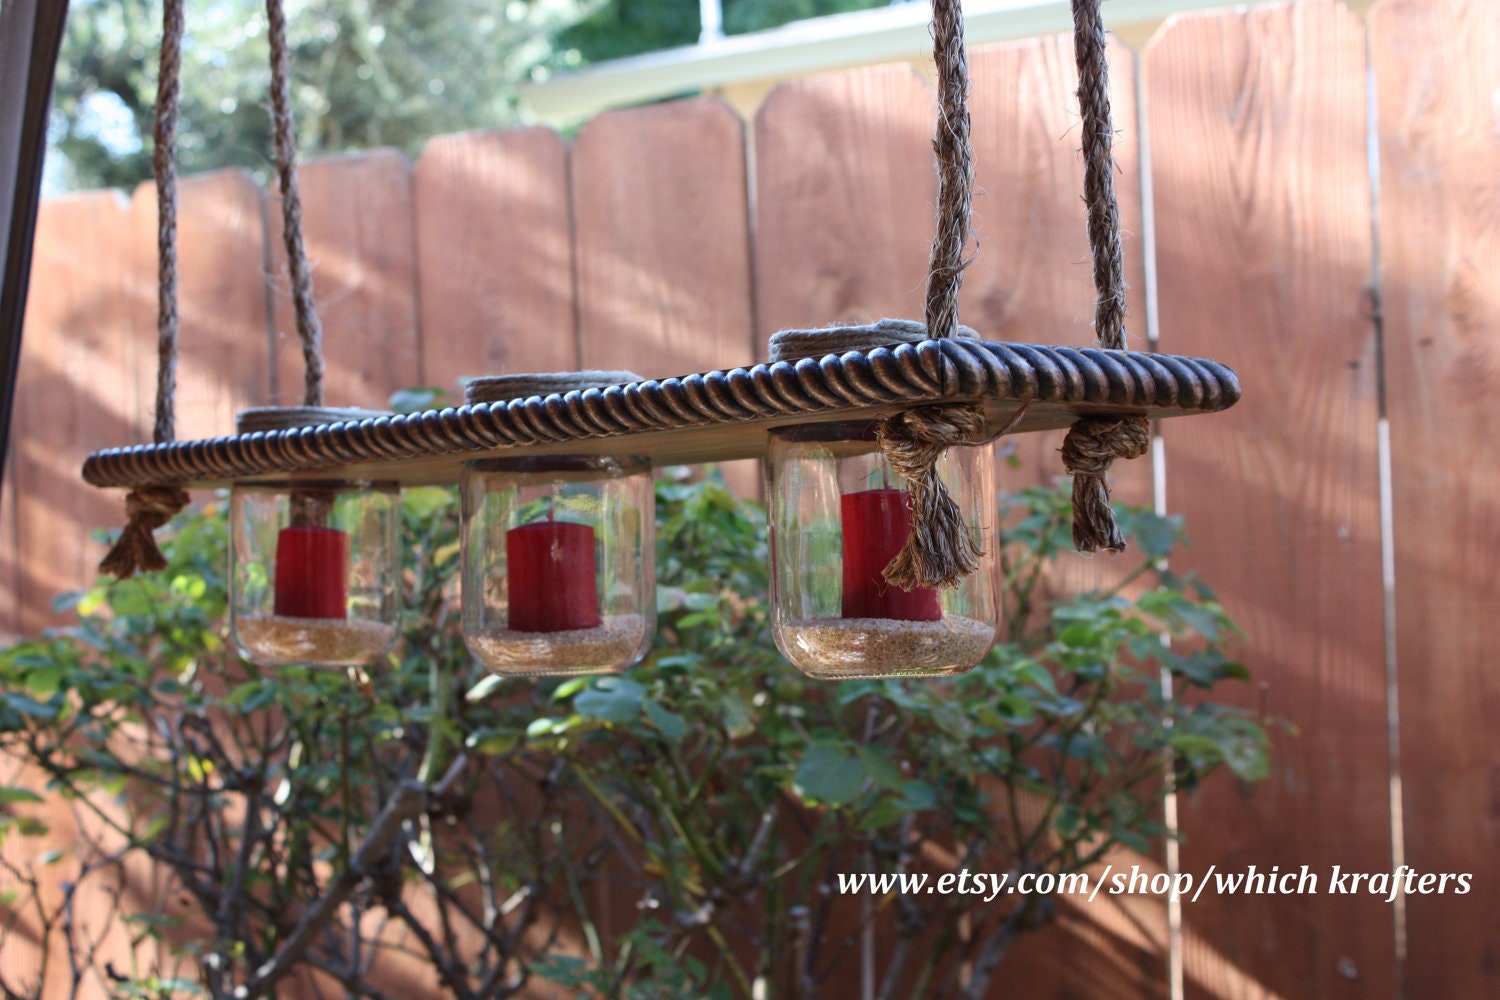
{"x":940,"y":551}
{"x":148,"y":508}
{"x":1091,"y":445}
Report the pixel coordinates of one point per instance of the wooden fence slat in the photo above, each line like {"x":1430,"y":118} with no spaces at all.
{"x":1437,"y":77}
{"x":1031,"y":282}
{"x":662,"y":245}
{"x":495,"y":263}
{"x":359,"y":230}
{"x":845,"y":188}
{"x":222,"y":358}
{"x":77,"y":390}
{"x":1262,"y":208}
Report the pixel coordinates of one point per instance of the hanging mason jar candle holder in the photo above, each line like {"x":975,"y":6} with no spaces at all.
{"x":314,"y":564}
{"x":557,"y":550}
{"x":839,"y":515}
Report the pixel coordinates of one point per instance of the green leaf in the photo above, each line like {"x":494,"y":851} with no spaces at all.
{"x":917,"y":795}
{"x":414,"y":398}
{"x":11,"y":794}
{"x":611,"y":699}
{"x":492,"y":740}
{"x":422,"y":502}
{"x":30,"y":706}
{"x":879,"y":766}
{"x":829,"y":774}
{"x":44,"y":681}
{"x":1156,"y":535}
{"x":736,"y":715}
{"x":483,"y":688}
{"x":672,"y":725}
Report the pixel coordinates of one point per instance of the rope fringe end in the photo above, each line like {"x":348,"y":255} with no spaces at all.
{"x":1092,"y":444}
{"x":148,"y":508}
{"x":940,"y":551}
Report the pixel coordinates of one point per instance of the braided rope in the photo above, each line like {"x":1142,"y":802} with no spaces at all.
{"x":955,"y":170}
{"x":309,"y":328}
{"x":939,"y":551}
{"x":1093,"y":443}
{"x":149,"y":507}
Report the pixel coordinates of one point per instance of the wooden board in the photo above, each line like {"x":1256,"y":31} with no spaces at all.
{"x":1031,"y":281}
{"x":1262,"y":209}
{"x":76,"y":390}
{"x":222,"y":357}
{"x":495,"y":259}
{"x":359,"y":231}
{"x":1437,"y":76}
{"x":845,"y":187}
{"x":662,"y":244}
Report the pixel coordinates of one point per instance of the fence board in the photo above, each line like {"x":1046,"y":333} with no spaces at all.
{"x":1437,"y":77}
{"x":662,"y":244}
{"x":1031,"y":282}
{"x":495,"y":256}
{"x":845,"y":188}
{"x":1262,"y":207}
{"x":222,"y":358}
{"x":360,"y":236}
{"x":76,"y":391}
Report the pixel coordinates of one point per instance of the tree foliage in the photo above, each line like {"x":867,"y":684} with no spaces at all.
{"x":671,"y":832}
{"x":366,"y":72}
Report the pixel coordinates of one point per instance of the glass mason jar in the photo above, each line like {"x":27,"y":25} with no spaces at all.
{"x":839,"y":514}
{"x":314,"y":571}
{"x":559,"y":563}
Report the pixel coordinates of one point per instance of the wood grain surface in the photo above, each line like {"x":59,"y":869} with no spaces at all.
{"x":1262,"y":206}
{"x":662,"y":245}
{"x":359,"y":231}
{"x":76,"y":389}
{"x":845,"y":193}
{"x":495,"y":256}
{"x":222,"y":350}
{"x":1031,"y":281}
{"x":1438,"y":79}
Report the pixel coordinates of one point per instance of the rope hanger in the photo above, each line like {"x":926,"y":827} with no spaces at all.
{"x":150,"y":507}
{"x":940,"y":550}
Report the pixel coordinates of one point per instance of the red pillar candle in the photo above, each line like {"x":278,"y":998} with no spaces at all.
{"x":876,"y":526}
{"x":549,"y":567}
{"x":312,"y":569}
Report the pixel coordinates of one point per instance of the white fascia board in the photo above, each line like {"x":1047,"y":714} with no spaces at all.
{"x":885,"y":34}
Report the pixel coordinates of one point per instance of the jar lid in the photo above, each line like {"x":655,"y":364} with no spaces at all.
{"x":794,"y":345}
{"x":282,"y":418}
{"x":500,"y":388}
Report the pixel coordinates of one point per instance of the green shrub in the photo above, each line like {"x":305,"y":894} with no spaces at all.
{"x":713,"y":794}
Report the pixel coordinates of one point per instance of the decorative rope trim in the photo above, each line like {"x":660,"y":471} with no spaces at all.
{"x":715,"y":408}
{"x":148,"y":508}
{"x":309,"y":327}
{"x":1094,"y":442}
{"x":794,"y":345}
{"x":502,"y":388}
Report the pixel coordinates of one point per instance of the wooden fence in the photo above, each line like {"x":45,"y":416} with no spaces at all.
{"x":676,"y":237}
